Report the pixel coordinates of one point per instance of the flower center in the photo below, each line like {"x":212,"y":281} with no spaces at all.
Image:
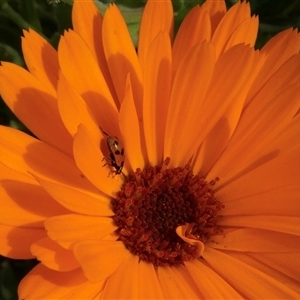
{"x":152,"y":205}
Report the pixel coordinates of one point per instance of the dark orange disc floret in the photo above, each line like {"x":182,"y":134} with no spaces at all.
{"x":152,"y":203}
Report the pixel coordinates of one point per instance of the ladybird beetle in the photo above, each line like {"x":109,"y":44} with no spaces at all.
{"x":116,"y":153}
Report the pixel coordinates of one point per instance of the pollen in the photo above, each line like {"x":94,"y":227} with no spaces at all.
{"x":153,"y":202}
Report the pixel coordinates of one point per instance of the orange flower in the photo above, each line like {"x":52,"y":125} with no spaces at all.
{"x":204,"y":201}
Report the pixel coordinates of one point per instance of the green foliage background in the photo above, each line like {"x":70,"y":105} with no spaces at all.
{"x":50,"y":18}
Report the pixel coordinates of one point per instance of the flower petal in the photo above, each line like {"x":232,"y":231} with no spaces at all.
{"x":69,"y":229}
{"x":286,"y":263}
{"x":27,"y":155}
{"x":129,"y":288}
{"x":89,"y":159}
{"x":176,"y":284}
{"x":223,"y":89}
{"x":219,"y":136}
{"x":255,"y":121}
{"x":157,"y":16}
{"x":157,"y":83}
{"x":44,"y":283}
{"x":23,"y":201}
{"x":85,"y":76}
{"x":121,"y":55}
{"x":74,"y":110}
{"x":268,"y":202}
{"x":279,"y":50}
{"x":216,"y":11}
{"x":197,"y":24}
{"x":41,"y":59}
{"x":54,"y":256}
{"x":245,"y":33}
{"x":76,"y":199}
{"x":244,"y":277}
{"x":255,"y":240}
{"x":191,"y":288}
{"x":184,"y":233}
{"x":45,"y":123}
{"x":190,"y":83}
{"x":146,"y":270}
{"x":211,"y":285}
{"x":99,"y":259}
{"x":130,"y":128}
{"x":235,"y":16}
{"x":13,"y":243}
{"x":269,"y":175}
{"x":290,"y":225}
{"x":249,"y":259}
{"x":286,"y":75}
{"x":286,"y":42}
{"x":87,"y":22}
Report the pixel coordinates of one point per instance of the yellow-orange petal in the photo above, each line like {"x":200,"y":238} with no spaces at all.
{"x":216,"y":11}
{"x":27,"y":155}
{"x":235,"y":272}
{"x":41,"y":59}
{"x":70,"y":229}
{"x":205,"y":114}
{"x":74,"y":110}
{"x":190,"y":85}
{"x":130,"y":128}
{"x":197,"y":25}
{"x":157,"y":16}
{"x":44,"y":283}
{"x":211,"y":285}
{"x":76,"y":199}
{"x":23,"y":201}
{"x":176,"y":283}
{"x":255,"y":120}
{"x":129,"y":288}
{"x":245,"y":33}
{"x":255,"y":240}
{"x":284,"y":224}
{"x":89,"y":160}
{"x":285,"y":263}
{"x":146,"y":270}
{"x":235,"y":16}
{"x":279,"y":50}
{"x":191,"y":287}
{"x":287,"y":139}
{"x":217,"y":139}
{"x":223,"y":89}
{"x":86,"y":15}
{"x":13,"y":243}
{"x":32,"y":94}
{"x":286,"y":75}
{"x":269,"y":176}
{"x":157,"y":88}
{"x":249,"y":259}
{"x":87,"y":22}
{"x":268,"y":202}
{"x":121,"y":55}
{"x":99,"y":259}
{"x":53,"y":256}
{"x":290,"y":38}
{"x":85,"y":76}
{"x":183,"y":232}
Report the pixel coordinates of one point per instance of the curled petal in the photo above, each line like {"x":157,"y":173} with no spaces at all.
{"x":184,"y":232}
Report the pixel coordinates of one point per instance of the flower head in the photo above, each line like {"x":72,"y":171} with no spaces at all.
{"x":167,"y":172}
